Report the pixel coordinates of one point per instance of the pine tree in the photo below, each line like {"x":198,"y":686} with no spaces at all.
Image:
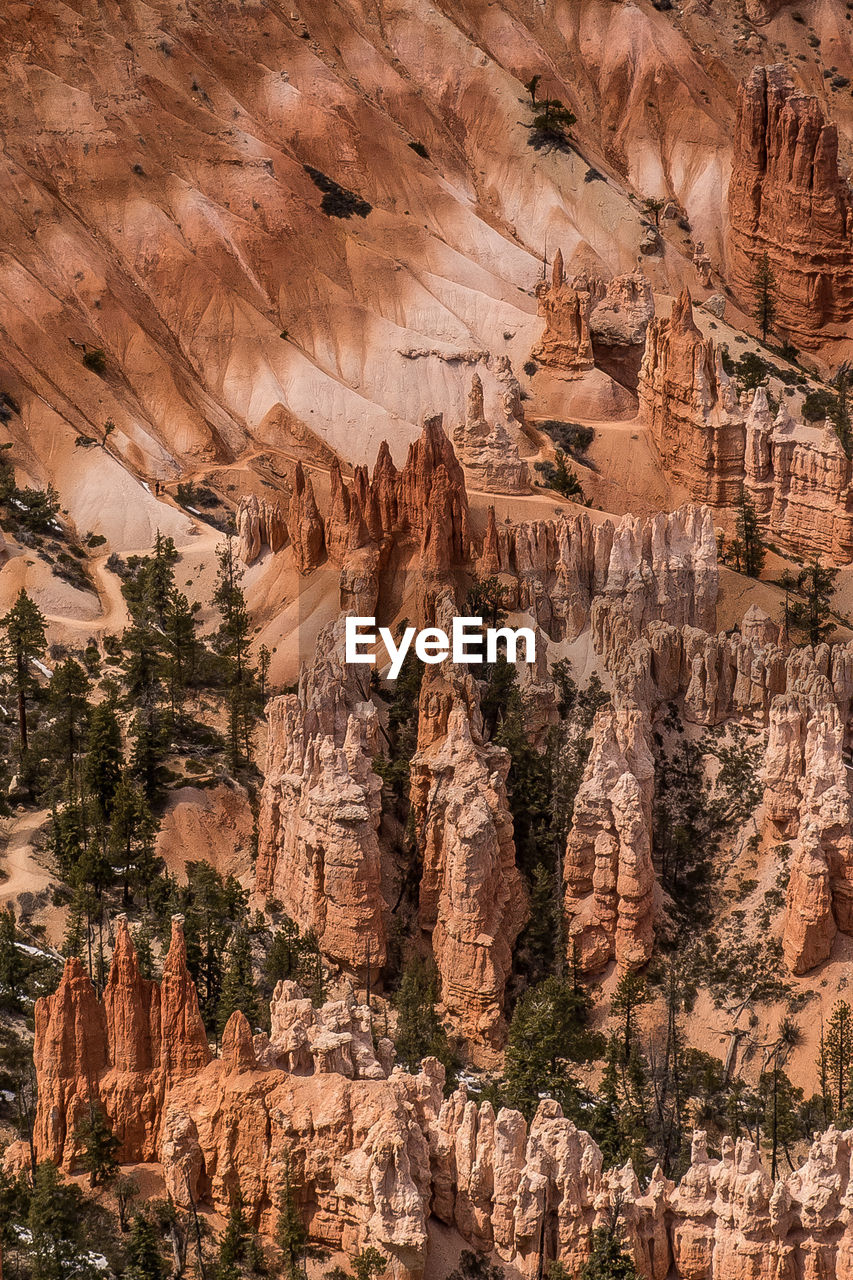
{"x":608,"y":1259}
{"x":232,"y":642}
{"x":813,"y":613}
{"x":291,"y":1234}
{"x":764,"y":290}
{"x":25,"y":641}
{"x":420,"y":1033}
{"x":368,"y":1264}
{"x":238,"y":1250}
{"x":630,"y":995}
{"x":181,"y":648}
{"x":547,"y":1034}
{"x":103,"y":762}
{"x":837,"y":1058}
{"x":99,"y":1145}
{"x":131,"y":835}
{"x":125,"y":1189}
{"x":56,"y":1226}
{"x":749,"y":538}
{"x":264,"y":659}
{"x":788,"y":582}
{"x":12,"y":969}
{"x":68,"y":697}
{"x":238,"y":984}
{"x":144,"y":1259}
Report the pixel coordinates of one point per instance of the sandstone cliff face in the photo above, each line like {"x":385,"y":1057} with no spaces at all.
{"x":370,"y":1159}
{"x":594,"y":322}
{"x":787,"y":198}
{"x":664,"y":567}
{"x":472,"y":902}
{"x":807,"y":796}
{"x":691,"y":408}
{"x":259,"y":523}
{"x":797,"y":476}
{"x":318,"y":844}
{"x":122,"y":1053}
{"x":621,"y":311}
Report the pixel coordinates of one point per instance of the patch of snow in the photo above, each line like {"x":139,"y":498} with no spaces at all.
{"x":35,"y":951}
{"x":46,"y":671}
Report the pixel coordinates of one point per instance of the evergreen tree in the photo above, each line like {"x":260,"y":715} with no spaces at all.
{"x":238,"y":984}
{"x":749,"y":538}
{"x":56,"y":1226}
{"x":619,"y":1118}
{"x":103,"y":762}
{"x":131,"y":837}
{"x":232,"y":642}
{"x":764,"y":291}
{"x":812,"y":614}
{"x":836,"y":1059}
{"x":547,"y":1034}
{"x":788,"y":582}
{"x":99,"y":1145}
{"x":68,"y":698}
{"x":238,"y":1249}
{"x":475,"y":1266}
{"x":181,"y":648}
{"x":841,"y":416}
{"x":125,"y":1189}
{"x":781,"y":1126}
{"x":144,"y":1259}
{"x":630,"y":995}
{"x":420,"y":1033}
{"x":25,"y":643}
{"x":368,"y":1264}
{"x":12,"y":968}
{"x":608,"y":1259}
{"x":487,"y":599}
{"x":291,"y":1234}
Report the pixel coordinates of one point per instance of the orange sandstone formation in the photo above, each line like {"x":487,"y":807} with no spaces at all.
{"x":566,"y":344}
{"x":797,"y":476}
{"x":472,"y":901}
{"x":788,"y":199}
{"x":318,"y":843}
{"x":370,"y":1157}
{"x":691,"y":408}
{"x":610,"y":880}
{"x":487,"y":450}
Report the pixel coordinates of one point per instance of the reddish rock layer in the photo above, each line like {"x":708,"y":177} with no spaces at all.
{"x":318,"y":844}
{"x":370,"y":1159}
{"x":787,"y":198}
{"x":472,"y":902}
{"x":566,"y":344}
{"x":717,"y":447}
{"x":691,"y":408}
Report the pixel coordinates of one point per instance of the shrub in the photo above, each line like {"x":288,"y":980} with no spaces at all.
{"x":420,"y":150}
{"x":96,"y":359}
{"x":337,"y":201}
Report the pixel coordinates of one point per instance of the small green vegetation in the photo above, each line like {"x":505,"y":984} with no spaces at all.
{"x":337,"y":202}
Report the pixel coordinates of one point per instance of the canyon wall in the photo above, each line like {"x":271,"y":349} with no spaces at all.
{"x":371,"y":1156}
{"x":719,"y":446}
{"x":788,"y":199}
